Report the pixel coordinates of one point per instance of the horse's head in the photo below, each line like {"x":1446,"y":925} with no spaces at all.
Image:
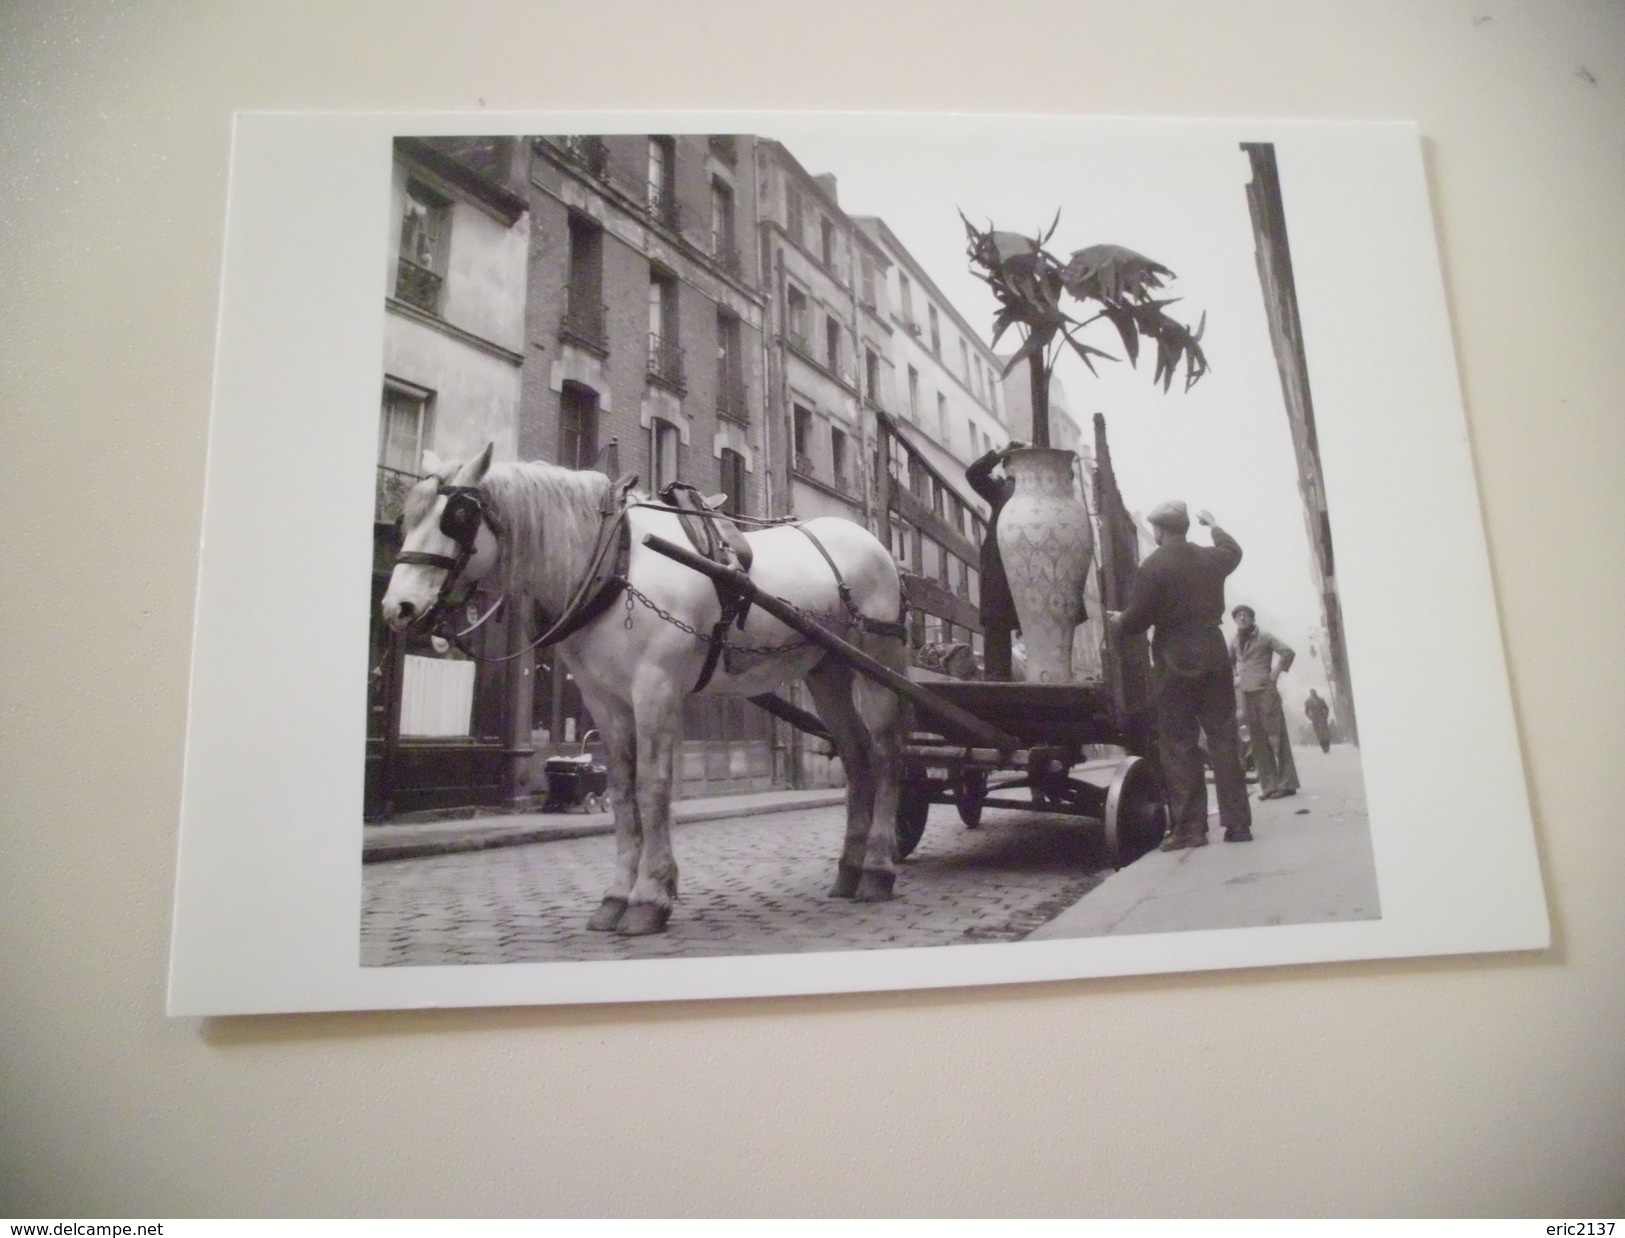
{"x":448,"y":541}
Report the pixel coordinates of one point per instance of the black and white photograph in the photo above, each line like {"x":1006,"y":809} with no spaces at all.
{"x":947,"y":437}
{"x":855,"y":552}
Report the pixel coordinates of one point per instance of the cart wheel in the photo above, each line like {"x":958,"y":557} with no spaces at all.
{"x":913,"y":803}
{"x":968,"y":796}
{"x":1136,"y":810}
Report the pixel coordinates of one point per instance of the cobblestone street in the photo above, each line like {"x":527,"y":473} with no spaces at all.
{"x":752,"y":885}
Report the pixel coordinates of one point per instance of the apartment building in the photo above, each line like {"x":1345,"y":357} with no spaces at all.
{"x":440,"y":730}
{"x":947,"y":378}
{"x":645,"y":354}
{"x":820,"y":274}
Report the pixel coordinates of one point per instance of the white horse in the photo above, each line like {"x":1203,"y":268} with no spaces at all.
{"x":536,"y":526}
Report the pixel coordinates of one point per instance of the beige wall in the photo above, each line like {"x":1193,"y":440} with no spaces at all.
{"x":1482,"y":1085}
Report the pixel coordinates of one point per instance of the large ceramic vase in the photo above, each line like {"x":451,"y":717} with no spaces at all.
{"x":1046,"y":541}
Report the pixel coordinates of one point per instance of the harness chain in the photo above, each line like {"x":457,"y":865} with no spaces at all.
{"x":633,"y":592}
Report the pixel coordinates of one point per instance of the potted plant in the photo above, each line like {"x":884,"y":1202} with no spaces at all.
{"x":1044,"y":534}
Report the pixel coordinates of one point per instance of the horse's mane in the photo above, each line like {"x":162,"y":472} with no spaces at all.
{"x":550,"y":517}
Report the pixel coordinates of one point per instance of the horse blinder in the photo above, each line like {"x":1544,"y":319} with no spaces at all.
{"x":461,"y":518}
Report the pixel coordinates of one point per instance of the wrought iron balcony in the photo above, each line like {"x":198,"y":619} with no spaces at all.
{"x":662,"y":207}
{"x":726,"y":252}
{"x":843,"y":483}
{"x":725,"y":147}
{"x":389,"y":498}
{"x":417,"y":285}
{"x":589,"y":152}
{"x":732,"y":401}
{"x":666,"y":363}
{"x":585,"y":321}
{"x":803,"y":464}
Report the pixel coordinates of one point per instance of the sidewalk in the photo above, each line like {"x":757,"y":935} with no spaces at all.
{"x":407,"y":841}
{"x":1310,"y":862}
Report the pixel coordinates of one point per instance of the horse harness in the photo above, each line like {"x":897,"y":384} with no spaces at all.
{"x":467,"y":508}
{"x":712,"y":533}
{"x":715,"y":535}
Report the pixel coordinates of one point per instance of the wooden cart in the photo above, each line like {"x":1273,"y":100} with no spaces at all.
{"x":1058,"y":723}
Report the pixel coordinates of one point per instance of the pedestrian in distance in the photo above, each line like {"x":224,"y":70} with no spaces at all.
{"x":998,"y":608}
{"x":1178,"y":592}
{"x":1320,"y":718}
{"x":1260,"y":660}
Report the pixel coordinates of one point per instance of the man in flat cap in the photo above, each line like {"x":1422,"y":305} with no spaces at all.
{"x":1179,"y":592}
{"x":1260,"y":659}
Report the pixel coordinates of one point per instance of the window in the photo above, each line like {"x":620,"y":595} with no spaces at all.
{"x":659,"y":192}
{"x":584,"y":317}
{"x":987,"y":443}
{"x":796,"y":312}
{"x":871,"y":377}
{"x":981,"y":388}
{"x":964,"y":360}
{"x":665,"y":443}
{"x":578,"y":426}
{"x":403,"y":430}
{"x":837,"y":458}
{"x":936,"y":332}
{"x":803,"y":439}
{"x":723,"y":248}
{"x":425,"y":230}
{"x":832,"y":344}
{"x":970,"y":437}
{"x":730,"y":369}
{"x":905,"y":298}
{"x":942,"y":418}
{"x":826,"y":242}
{"x":733,"y":482}
{"x":913,"y":394}
{"x":866,"y":280}
{"x":792,"y":212}
{"x":665,"y":357}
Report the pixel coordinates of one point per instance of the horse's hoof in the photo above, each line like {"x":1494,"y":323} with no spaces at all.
{"x":642,"y":919}
{"x":608,"y":916}
{"x":846,"y":881}
{"x":875,"y":887}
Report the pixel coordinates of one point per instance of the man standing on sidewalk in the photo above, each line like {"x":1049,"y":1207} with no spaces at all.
{"x":1320,"y":718}
{"x":1179,"y":591}
{"x":1254,"y":653}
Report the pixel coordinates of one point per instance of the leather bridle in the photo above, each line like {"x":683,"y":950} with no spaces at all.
{"x":466,"y":510}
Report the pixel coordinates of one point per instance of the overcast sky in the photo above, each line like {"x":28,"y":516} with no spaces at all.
{"x":1172,"y":192}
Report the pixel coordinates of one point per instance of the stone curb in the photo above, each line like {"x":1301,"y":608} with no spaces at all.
{"x":483,"y":836}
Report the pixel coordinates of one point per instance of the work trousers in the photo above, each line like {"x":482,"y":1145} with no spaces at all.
{"x":1271,"y":747}
{"x":1323,"y":733}
{"x":1189,"y":707}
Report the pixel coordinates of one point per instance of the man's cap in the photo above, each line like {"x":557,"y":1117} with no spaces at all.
{"x":1171,"y":516}
{"x":1244,"y":607}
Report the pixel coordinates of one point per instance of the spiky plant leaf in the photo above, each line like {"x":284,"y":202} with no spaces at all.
{"x":1112,"y":273}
